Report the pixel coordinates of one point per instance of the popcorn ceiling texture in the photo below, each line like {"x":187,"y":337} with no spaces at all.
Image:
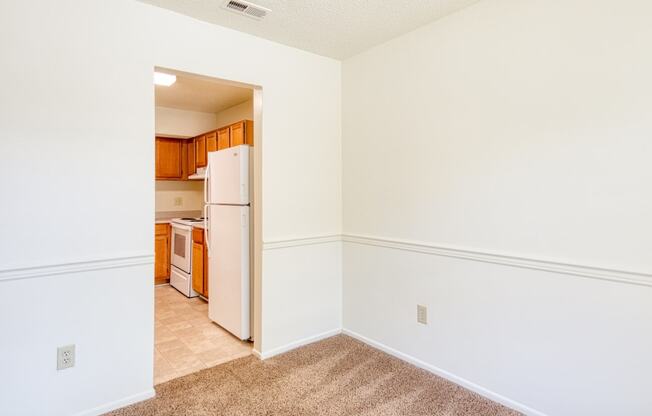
{"x":334,"y":28}
{"x":338,"y":376}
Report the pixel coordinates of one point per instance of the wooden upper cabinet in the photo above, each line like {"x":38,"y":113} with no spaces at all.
{"x":223,"y":138}
{"x":200,"y":151}
{"x":249,"y":132}
{"x":169,"y":163}
{"x":184,"y":159}
{"x":177,"y":158}
{"x":191,"y":157}
{"x":242,"y":132}
{"x":237,"y":133}
{"x":211,"y":141}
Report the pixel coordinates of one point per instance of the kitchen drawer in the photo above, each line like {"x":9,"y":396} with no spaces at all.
{"x":161,"y":229}
{"x":198,"y":235}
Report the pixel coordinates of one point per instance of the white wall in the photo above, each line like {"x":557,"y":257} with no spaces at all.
{"x":85,"y":189}
{"x":190,"y":192}
{"x":293,"y":275}
{"x":519,"y":128}
{"x":172,"y":122}
{"x":242,"y":111}
{"x":106,"y":313}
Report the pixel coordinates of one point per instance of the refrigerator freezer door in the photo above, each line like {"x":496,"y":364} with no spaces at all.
{"x":228,"y":268}
{"x":228,"y":176}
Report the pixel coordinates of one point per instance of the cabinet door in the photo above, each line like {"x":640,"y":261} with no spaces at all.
{"x":237,"y":133}
{"x":161,"y":253}
{"x":249,"y":132}
{"x":211,"y":141}
{"x":198,"y":267}
{"x":184,"y":160}
{"x":223,"y":138}
{"x":191,"y":157}
{"x":168,"y":158}
{"x":205,"y":293}
{"x":198,"y":235}
{"x":200,"y":151}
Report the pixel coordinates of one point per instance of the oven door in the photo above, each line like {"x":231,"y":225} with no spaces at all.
{"x":181,"y":247}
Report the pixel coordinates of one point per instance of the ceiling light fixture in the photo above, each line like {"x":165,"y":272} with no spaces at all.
{"x":164,"y":79}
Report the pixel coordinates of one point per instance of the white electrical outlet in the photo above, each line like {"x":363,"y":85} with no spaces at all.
{"x":422,"y":314}
{"x":65,"y":357}
{"x":178,"y":201}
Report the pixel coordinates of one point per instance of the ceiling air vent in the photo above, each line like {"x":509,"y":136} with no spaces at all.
{"x":247,"y":9}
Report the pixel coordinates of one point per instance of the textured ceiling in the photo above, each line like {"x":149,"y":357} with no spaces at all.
{"x":197,"y":94}
{"x":335,"y":28}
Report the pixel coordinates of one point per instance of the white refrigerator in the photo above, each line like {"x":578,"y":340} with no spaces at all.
{"x":227,"y":226}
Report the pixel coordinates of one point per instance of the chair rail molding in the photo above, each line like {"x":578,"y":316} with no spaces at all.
{"x":301,"y":241}
{"x":76,"y":266}
{"x":601,"y":273}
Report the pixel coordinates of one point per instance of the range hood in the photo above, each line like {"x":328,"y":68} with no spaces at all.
{"x":199,"y":174}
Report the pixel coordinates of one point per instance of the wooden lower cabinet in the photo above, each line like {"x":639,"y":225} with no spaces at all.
{"x":198,"y":267}
{"x":199,"y":263}
{"x":205,"y":294}
{"x":161,"y":253}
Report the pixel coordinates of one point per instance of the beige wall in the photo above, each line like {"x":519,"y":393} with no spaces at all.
{"x":190,"y":192}
{"x":173,"y":122}
{"x":242,"y":111}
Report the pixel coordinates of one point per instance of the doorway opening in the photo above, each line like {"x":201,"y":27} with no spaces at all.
{"x":207,"y":222}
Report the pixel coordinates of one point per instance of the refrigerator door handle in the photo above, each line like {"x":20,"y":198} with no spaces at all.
{"x":208,"y":244}
{"x":206,"y":174}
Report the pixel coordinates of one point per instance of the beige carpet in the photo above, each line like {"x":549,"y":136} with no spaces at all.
{"x":337,"y":376}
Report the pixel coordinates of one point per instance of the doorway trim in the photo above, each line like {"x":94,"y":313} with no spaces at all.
{"x":257,"y":254}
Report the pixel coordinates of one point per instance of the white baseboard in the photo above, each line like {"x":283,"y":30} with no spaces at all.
{"x":445,"y":374}
{"x":100,"y":410}
{"x":296,"y":344}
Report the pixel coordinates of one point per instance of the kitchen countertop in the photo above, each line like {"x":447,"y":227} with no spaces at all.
{"x":169,"y":220}
{"x":166,"y":216}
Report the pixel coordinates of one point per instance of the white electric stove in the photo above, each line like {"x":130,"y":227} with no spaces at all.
{"x":181,"y":255}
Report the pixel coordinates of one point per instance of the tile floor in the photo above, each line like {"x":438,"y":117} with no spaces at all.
{"x":186,"y":341}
